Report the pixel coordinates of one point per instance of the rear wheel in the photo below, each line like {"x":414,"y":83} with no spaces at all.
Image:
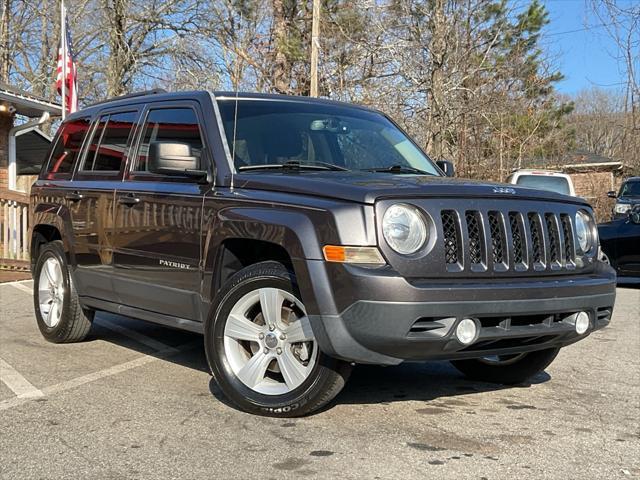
{"x":507,"y":369}
{"x":261,"y":348}
{"x":60,"y":317}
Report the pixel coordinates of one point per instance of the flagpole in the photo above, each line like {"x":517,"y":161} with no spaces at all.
{"x":63,"y":49}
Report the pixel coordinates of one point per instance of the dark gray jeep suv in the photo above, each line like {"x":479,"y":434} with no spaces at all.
{"x":301,"y":237}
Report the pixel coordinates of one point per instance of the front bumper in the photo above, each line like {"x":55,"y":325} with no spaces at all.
{"x":375,"y":316}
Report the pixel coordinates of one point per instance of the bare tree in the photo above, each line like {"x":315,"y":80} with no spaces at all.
{"x":622,"y":23}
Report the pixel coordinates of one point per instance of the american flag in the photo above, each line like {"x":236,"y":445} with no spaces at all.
{"x":69,"y":72}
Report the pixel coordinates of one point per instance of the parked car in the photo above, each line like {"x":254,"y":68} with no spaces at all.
{"x":626,"y":198}
{"x":544,"y":180}
{"x":620,"y":239}
{"x":302,"y":236}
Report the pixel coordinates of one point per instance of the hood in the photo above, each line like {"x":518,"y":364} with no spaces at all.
{"x":367,"y":187}
{"x":628,"y":199}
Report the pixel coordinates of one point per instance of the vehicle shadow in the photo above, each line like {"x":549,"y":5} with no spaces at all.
{"x":425,"y":381}
{"x":368,"y":384}
{"x":171,"y":345}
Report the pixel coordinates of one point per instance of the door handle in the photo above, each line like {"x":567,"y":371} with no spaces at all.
{"x":129,"y":200}
{"x":74,"y":196}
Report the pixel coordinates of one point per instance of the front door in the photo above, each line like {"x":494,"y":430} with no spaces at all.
{"x":158,"y":220}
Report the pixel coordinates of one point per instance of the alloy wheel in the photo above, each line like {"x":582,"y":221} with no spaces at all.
{"x":268,"y":341}
{"x":51,"y":292}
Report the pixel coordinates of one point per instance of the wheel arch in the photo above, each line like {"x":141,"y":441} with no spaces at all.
{"x":241,"y":236}
{"x":51,"y":222}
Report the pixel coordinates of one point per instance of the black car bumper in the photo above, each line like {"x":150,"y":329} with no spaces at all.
{"x":375,"y":316}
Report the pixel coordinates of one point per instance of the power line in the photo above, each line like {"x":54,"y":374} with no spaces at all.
{"x":592,"y":27}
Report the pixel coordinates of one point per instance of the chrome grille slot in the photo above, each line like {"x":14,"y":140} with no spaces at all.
{"x":567,"y":234}
{"x":451,"y":234}
{"x":474,"y":230}
{"x":498,"y":246}
{"x":517,"y":235}
{"x":537,"y":242}
{"x":554,"y":237}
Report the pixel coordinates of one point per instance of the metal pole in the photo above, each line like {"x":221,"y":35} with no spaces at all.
{"x":63,"y":50}
{"x":315,"y":41}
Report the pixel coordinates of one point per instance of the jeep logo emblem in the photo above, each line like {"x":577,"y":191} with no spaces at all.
{"x":512,"y":191}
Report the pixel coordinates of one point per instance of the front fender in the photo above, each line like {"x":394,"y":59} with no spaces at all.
{"x":300,"y":232}
{"x":293,"y":230}
{"x":301,"y":229}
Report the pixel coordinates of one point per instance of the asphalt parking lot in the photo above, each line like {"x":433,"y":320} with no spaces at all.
{"x":136,"y":401}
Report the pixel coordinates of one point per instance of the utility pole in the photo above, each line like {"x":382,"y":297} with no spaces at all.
{"x":63,"y":52}
{"x":5,"y":54}
{"x":315,"y":44}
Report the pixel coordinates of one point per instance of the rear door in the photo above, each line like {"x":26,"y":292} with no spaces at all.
{"x":92,"y":197}
{"x":158,"y":219}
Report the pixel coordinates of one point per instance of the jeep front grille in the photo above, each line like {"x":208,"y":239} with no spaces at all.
{"x":516,"y":241}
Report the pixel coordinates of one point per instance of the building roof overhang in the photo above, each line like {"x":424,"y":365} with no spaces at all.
{"x":26,"y":103}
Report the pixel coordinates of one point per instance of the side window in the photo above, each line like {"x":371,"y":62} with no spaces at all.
{"x":68,"y":146}
{"x":169,"y":125}
{"x":110,"y":140}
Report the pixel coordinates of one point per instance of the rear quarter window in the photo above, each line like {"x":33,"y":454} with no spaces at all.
{"x":108,"y":147}
{"x":67,"y":147}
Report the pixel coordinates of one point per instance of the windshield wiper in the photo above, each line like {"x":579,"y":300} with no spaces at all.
{"x":295,"y":165}
{"x":398,"y":169}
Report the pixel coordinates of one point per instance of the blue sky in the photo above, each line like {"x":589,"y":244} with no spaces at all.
{"x":583,"y":51}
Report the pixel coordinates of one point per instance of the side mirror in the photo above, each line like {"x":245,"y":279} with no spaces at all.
{"x":612,"y":194}
{"x":634,"y":215}
{"x":447,"y":167}
{"x":174,"y":158}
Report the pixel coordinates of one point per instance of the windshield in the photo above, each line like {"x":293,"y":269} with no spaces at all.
{"x":630,"y":189}
{"x":323,"y":136}
{"x":545,"y":182}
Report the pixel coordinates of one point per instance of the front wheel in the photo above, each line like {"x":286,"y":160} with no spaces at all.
{"x":60,"y":316}
{"x":507,"y":369}
{"x":261,"y":348}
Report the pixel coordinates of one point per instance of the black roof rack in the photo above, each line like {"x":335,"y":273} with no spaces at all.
{"x":130,"y":95}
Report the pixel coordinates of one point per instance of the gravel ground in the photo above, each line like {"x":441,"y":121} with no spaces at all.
{"x":139,"y":402}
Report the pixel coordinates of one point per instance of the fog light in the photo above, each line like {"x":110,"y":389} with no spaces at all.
{"x":466,"y":331}
{"x":582,"y":322}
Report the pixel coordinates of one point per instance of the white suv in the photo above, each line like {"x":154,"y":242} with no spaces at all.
{"x":543,"y":180}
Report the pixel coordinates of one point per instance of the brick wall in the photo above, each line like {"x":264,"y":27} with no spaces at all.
{"x":594,"y":187}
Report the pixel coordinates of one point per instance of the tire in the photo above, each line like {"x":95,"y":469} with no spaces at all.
{"x":285,"y":378}
{"x":65,"y":321}
{"x":508,"y":369}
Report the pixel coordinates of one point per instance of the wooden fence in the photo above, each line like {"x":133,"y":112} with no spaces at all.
{"x":14,"y":228}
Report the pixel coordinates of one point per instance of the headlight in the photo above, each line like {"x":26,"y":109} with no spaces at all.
{"x":404,"y":228}
{"x":584,"y":232}
{"x":622,"y":207}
